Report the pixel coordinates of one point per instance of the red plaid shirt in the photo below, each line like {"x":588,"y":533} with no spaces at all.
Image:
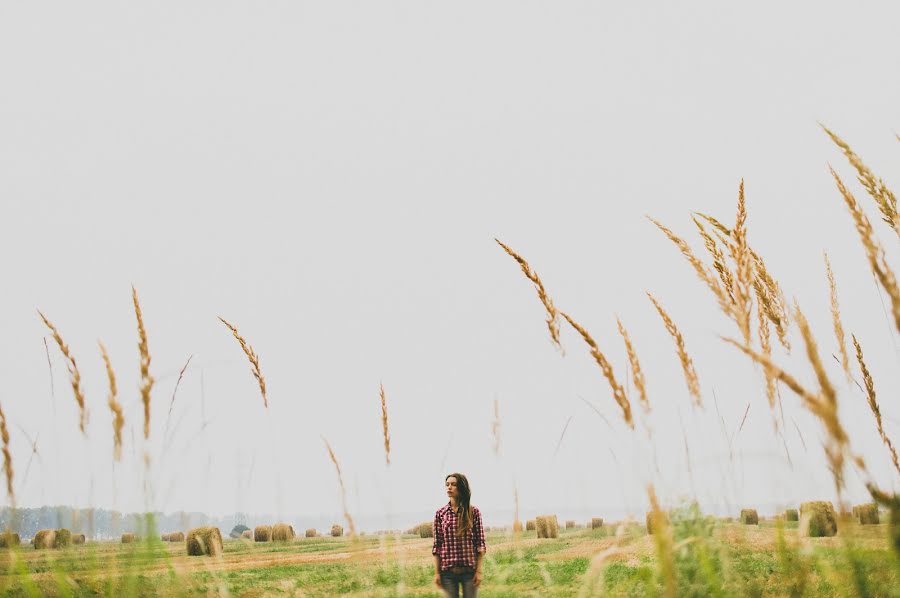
{"x":456,"y":551}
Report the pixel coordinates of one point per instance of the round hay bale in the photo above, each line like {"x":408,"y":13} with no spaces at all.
{"x":749,"y":517}
{"x":164,"y":537}
{"x":570,"y":524}
{"x":596,"y":522}
{"x":818,"y":519}
{"x":44,"y":539}
{"x":262,"y":533}
{"x":282,"y":532}
{"x":129,"y":538}
{"x":337,"y":531}
{"x":63,"y":538}
{"x":247,"y":535}
{"x":867,"y":514}
{"x":547,"y":526}
{"x":9,"y":539}
{"x":203,"y":541}
{"x":78,"y":539}
{"x":791,"y":515}
{"x":311,"y":533}
{"x":176,"y":537}
{"x":529,"y":525}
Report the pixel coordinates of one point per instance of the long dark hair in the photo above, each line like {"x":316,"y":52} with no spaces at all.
{"x":463,"y":501}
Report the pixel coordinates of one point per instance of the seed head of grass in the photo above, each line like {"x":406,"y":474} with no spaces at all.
{"x":114,"y":406}
{"x":552,"y":313}
{"x":637,"y":374}
{"x":873,"y":402}
{"x":337,"y":467}
{"x":7,"y":459}
{"x":146,"y":379}
{"x":254,"y":360}
{"x":618,"y":392}
{"x":384,"y":425}
{"x":687,"y":364}
{"x":836,"y":319}
{"x":74,"y":374}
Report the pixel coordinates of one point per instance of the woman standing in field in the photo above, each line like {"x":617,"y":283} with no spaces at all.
{"x":458,"y":541}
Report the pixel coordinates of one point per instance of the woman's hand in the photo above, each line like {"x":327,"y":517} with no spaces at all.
{"x":437,"y":580}
{"x":477,"y":579}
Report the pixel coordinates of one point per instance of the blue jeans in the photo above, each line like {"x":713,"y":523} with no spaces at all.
{"x":451,"y":582}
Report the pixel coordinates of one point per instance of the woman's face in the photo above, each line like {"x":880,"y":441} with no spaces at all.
{"x":450,"y":484}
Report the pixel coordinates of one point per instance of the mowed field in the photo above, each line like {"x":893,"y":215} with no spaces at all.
{"x":725,"y":559}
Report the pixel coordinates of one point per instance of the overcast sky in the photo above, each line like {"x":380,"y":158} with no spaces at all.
{"x":330,"y":178}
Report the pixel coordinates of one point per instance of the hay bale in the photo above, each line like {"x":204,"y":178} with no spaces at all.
{"x":547,"y":526}
{"x":9,"y":539}
{"x":867,"y":514}
{"x":596,"y":522}
{"x":749,"y":517}
{"x":311,"y":533}
{"x":78,"y":539}
{"x":176,"y":537}
{"x":337,"y":531}
{"x":202,"y":541}
{"x":129,"y":538}
{"x":517,"y":527}
{"x":791,"y":515}
{"x":529,"y":525}
{"x":282,"y":532}
{"x":818,"y":519}
{"x":262,"y":533}
{"x":247,"y":534}
{"x":164,"y":537}
{"x":570,"y":524}
{"x":63,"y":538}
{"x":425,"y":530}
{"x":44,"y":539}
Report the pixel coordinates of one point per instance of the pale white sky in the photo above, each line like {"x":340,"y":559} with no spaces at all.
{"x":330,"y":177}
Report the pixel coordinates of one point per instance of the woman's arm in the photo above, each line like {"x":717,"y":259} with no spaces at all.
{"x":438,"y":533}
{"x":478,"y":542}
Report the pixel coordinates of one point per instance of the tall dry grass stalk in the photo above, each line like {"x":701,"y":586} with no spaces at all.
{"x":703,"y":273}
{"x":384,"y":425}
{"x":637,"y":374}
{"x":766,"y":347}
{"x":873,"y":402}
{"x":337,"y":467}
{"x":146,"y":379}
{"x":720,"y":264}
{"x":7,"y":459}
{"x":665,"y":544}
{"x":174,"y":393}
{"x":740,"y":253}
{"x":771,"y":299}
{"x":74,"y":374}
{"x":552,"y":312}
{"x":114,"y":406}
{"x":495,"y":427}
{"x":50,"y":366}
{"x":836,"y":319}
{"x":874,"y":250}
{"x":254,"y":360}
{"x":687,"y":364}
{"x":875,"y":187}
{"x":618,"y":392}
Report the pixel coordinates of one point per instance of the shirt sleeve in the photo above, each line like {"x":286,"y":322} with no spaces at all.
{"x":478,"y":533}
{"x":438,"y":532}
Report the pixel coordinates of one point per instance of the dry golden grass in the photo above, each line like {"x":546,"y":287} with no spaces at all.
{"x":74,"y":374}
{"x":766,"y":348}
{"x":552,"y":313}
{"x":740,"y":253}
{"x":337,"y":467}
{"x":254,"y":360}
{"x":146,"y":379}
{"x":637,"y":374}
{"x":114,"y":406}
{"x":175,"y":393}
{"x":873,"y":402}
{"x":719,"y":261}
{"x":771,"y":299}
{"x":874,"y":250}
{"x":687,"y":364}
{"x":662,"y":537}
{"x":384,"y":425}
{"x":836,"y":319}
{"x":875,"y":187}
{"x":606,"y":368}
{"x":7,"y":460}
{"x":725,"y":302}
